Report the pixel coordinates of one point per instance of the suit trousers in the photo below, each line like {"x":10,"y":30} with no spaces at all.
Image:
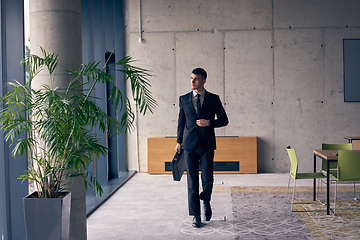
{"x":205,"y":159}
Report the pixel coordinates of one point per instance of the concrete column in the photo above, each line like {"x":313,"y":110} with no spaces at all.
{"x":55,"y":25}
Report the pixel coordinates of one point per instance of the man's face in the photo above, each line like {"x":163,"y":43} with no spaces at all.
{"x":197,"y":82}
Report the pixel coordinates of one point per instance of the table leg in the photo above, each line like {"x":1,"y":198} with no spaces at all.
{"x":314,"y":189}
{"x":327,"y":188}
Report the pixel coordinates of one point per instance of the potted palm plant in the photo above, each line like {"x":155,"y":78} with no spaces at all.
{"x":54,"y":128}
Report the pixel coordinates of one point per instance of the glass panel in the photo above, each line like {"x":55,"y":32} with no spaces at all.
{"x":27,"y":34}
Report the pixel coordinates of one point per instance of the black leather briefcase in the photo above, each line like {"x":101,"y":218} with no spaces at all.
{"x":178,"y":165}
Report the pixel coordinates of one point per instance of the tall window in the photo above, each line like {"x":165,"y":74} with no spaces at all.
{"x":27,"y":34}
{"x":113,"y":166}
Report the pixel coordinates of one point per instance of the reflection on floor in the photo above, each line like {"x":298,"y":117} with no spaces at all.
{"x":94,"y":202}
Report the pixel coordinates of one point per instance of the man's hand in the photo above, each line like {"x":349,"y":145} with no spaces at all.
{"x":203,"y":122}
{"x":178,"y":148}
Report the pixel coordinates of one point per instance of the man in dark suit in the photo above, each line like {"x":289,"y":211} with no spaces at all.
{"x":200,"y":112}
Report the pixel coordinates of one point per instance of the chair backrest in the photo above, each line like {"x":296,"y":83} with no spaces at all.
{"x":336,"y":146}
{"x":293,"y":162}
{"x":348,"y":168}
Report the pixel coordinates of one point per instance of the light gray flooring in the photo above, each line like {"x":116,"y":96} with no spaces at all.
{"x":155,"y":207}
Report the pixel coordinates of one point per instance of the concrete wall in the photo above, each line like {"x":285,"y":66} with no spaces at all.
{"x":276,"y":64}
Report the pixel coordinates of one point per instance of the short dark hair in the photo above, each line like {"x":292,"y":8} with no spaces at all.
{"x":200,"y":71}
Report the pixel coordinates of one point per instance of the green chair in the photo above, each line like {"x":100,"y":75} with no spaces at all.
{"x":333,"y":165}
{"x":295,"y":175}
{"x":348,"y":169}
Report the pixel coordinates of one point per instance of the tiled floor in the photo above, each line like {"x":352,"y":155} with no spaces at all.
{"x":155,"y":207}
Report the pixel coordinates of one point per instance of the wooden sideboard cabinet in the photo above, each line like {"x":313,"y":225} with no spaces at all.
{"x":233,"y":154}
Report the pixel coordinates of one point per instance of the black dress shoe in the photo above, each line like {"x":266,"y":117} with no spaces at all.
{"x":196,"y":222}
{"x":208,"y":211}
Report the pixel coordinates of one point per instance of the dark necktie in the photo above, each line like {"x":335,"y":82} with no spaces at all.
{"x":198,"y":104}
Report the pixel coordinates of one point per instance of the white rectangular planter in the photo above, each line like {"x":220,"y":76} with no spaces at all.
{"x":47,"y":218}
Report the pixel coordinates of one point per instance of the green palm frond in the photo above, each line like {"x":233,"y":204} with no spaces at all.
{"x":139,"y":84}
{"x":54,"y":126}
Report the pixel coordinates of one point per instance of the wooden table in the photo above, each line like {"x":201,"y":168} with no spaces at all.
{"x":328,"y":156}
{"x":352,"y":138}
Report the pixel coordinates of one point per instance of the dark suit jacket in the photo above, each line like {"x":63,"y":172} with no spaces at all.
{"x":189,"y":133}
